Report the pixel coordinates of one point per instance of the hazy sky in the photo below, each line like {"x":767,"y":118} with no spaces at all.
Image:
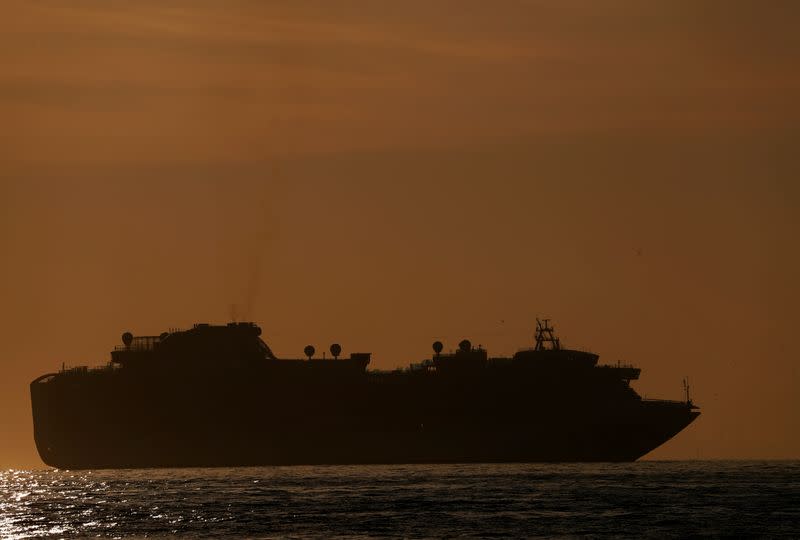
{"x":383,"y":174}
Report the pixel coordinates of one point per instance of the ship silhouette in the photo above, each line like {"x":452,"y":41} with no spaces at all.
{"x":218,"y":396}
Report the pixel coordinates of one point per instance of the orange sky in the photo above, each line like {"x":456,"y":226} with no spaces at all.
{"x":384,"y":174}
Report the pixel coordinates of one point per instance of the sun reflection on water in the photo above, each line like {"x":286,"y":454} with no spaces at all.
{"x":413,"y":501}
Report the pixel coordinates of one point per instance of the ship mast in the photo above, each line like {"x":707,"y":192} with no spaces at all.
{"x":686,"y":391}
{"x":544,"y":334}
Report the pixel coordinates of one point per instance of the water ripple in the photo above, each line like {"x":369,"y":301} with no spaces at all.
{"x":647,"y":499}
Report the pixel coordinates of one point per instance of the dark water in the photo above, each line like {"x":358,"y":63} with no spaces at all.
{"x":646,"y":499}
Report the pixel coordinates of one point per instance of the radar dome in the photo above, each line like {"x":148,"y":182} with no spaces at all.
{"x":465,"y":345}
{"x":336,"y":350}
{"x":309,"y":350}
{"x":127,"y":339}
{"x":437,"y":347}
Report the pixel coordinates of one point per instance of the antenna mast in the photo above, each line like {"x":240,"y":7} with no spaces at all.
{"x":544,"y":334}
{"x":686,"y":390}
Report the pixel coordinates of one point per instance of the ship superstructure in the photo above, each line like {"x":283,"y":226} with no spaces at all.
{"x":218,"y":396}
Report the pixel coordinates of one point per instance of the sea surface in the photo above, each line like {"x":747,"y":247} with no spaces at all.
{"x":643,"y":499}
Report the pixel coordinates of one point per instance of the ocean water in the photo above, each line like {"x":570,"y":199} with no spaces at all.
{"x":643,"y":499}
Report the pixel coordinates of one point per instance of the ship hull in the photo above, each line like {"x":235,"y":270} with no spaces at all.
{"x":121,"y":421}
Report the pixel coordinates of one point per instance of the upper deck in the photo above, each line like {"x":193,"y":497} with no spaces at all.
{"x":206,"y":346}
{"x":229,"y":348}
